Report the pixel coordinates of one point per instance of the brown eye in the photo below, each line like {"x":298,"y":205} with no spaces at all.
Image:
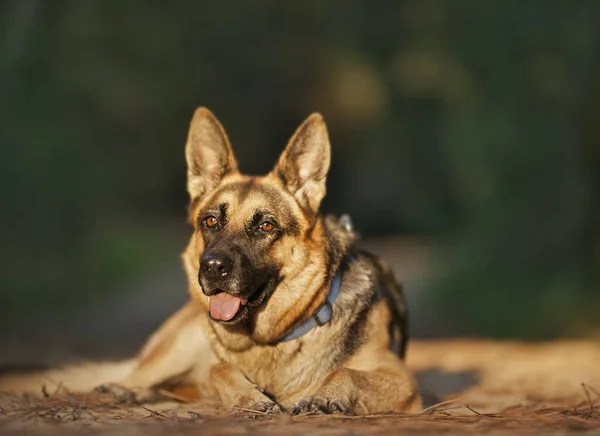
{"x":211,"y":221}
{"x":266,"y":226}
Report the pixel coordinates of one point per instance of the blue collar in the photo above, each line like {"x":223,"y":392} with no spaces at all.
{"x":321,"y":316}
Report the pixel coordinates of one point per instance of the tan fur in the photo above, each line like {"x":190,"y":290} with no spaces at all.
{"x":82,"y":377}
{"x":239,"y":364}
{"x":374,"y":370}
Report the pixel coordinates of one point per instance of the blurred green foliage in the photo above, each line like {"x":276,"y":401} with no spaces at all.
{"x":471,"y":123}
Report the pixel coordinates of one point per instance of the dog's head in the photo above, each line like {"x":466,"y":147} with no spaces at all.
{"x":254,"y":233}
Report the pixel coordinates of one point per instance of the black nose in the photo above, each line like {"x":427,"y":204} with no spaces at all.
{"x":215,"y":265}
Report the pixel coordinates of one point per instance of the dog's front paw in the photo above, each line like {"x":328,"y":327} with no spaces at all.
{"x":323,"y":404}
{"x":262,"y":405}
{"x":269,"y":408}
{"x":302,"y":407}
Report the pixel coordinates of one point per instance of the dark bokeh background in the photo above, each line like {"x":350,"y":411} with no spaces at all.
{"x":466,"y":147}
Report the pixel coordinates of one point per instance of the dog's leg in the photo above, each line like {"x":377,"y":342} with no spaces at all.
{"x":237,"y":393}
{"x":179,"y":346}
{"x":388,"y":388}
{"x":373,"y":380}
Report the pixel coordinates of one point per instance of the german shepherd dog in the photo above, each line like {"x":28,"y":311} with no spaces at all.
{"x":286,"y":312}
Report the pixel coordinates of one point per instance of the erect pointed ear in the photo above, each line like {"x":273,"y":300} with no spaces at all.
{"x":208,"y":154}
{"x":304,"y":163}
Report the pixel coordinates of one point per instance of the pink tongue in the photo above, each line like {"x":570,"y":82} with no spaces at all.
{"x":223,"y":306}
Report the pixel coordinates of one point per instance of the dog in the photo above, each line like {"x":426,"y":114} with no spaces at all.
{"x":286,"y":312}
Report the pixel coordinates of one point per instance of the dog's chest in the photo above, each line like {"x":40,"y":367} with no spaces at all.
{"x":285,"y":371}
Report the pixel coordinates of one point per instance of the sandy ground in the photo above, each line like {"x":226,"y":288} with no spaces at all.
{"x":468,"y":387}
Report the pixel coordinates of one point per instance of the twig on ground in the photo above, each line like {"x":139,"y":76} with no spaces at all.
{"x":155,"y":412}
{"x":587,"y":393}
{"x":591,"y":388}
{"x":303,"y":414}
{"x":174,"y":396}
{"x":433,"y":408}
{"x":473,"y":410}
{"x":486,"y":415}
{"x":258,"y":412}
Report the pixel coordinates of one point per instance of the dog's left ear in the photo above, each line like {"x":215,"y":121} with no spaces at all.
{"x":304,"y":163}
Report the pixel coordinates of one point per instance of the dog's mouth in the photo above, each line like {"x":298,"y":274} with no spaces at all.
{"x":228,"y":308}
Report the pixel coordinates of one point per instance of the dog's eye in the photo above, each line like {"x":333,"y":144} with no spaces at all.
{"x":211,"y":221}
{"x":266,"y":226}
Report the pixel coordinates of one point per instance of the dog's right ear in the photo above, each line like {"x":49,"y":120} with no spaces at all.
{"x":208,"y":154}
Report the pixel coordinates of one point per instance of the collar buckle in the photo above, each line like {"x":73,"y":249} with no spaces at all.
{"x":326,"y":310}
